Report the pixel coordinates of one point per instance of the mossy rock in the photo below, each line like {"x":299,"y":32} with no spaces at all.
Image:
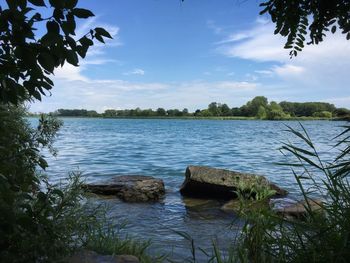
{"x":245,"y":206}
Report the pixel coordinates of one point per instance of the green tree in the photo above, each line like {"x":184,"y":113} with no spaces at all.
{"x":256,"y":103}
{"x":225,"y":110}
{"x":261,"y":113}
{"x":342,"y":112}
{"x":185,"y":112}
{"x":197,"y":112}
{"x":214,"y":109}
{"x":299,"y":18}
{"x":161,"y":112}
{"x":275,"y":111}
{"x":323,"y":114}
{"x":110,"y":113}
{"x":206,"y":113}
{"x":27,"y":61}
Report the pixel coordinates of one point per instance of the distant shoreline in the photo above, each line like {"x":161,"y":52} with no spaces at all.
{"x":200,"y":118}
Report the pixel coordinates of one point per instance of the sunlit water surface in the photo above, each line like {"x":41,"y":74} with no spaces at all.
{"x":103,"y":148}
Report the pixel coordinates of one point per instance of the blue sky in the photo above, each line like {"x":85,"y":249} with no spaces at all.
{"x":173,"y":54}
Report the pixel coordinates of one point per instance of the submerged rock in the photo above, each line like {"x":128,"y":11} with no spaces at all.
{"x":87,"y":256}
{"x":204,"y":181}
{"x":130,"y":188}
{"x":235,"y":206}
{"x":296,"y":210}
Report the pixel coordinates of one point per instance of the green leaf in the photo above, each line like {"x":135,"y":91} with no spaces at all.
{"x":82,"y":50}
{"x":36,"y":94}
{"x":58,"y":14}
{"x":57,"y":3}
{"x":99,"y":38}
{"x":52,"y":27}
{"x":72,"y":57}
{"x":58,"y":192}
{"x":334,"y":28}
{"x":70,"y":24}
{"x":22,"y":4}
{"x":71,"y":42}
{"x":46,"y":61}
{"x":101,"y":31}
{"x":37,"y":2}
{"x":12,"y":4}
{"x":86,"y":41}
{"x":71,"y":3}
{"x":82,"y":13}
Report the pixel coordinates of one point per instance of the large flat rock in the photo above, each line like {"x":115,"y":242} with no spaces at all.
{"x":130,"y":188}
{"x":202,"y":181}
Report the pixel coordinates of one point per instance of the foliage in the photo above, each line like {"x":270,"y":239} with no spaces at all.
{"x":323,"y":114}
{"x":32,"y":211}
{"x":306,"y":108}
{"x":297,"y":19}
{"x":342,"y":112}
{"x":27,"y":61}
{"x":275,"y":112}
{"x":321,"y":237}
{"x":261,"y":114}
{"x":106,"y":240}
{"x":20,"y":147}
{"x":258,"y":107}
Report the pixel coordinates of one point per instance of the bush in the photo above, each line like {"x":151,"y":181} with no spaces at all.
{"x":39,"y":222}
{"x":322,"y":237}
{"x":323,"y":114}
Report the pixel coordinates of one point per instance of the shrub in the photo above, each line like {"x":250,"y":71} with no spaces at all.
{"x":323,"y":114}
{"x":39,"y":222}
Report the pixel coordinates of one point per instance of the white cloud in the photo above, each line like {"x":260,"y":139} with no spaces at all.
{"x":264,"y":72}
{"x":318,"y":72}
{"x":103,"y":94}
{"x":258,"y":44}
{"x":288,"y":70}
{"x":136,"y":71}
{"x":216,"y":29}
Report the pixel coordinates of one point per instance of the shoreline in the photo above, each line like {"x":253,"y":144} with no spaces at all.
{"x":239,"y":118}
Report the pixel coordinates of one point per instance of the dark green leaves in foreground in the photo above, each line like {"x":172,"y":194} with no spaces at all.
{"x":27,"y":60}
{"x":297,"y":19}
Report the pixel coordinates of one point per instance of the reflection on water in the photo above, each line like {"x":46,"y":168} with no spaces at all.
{"x":101,"y":148}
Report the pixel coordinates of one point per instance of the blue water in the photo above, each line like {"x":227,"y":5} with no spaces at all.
{"x":102,"y":148}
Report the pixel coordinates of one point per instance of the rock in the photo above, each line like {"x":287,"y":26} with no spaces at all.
{"x":234,"y":206}
{"x":297,"y":210}
{"x":204,"y":181}
{"x":87,"y":256}
{"x":197,"y":202}
{"x":130,"y":188}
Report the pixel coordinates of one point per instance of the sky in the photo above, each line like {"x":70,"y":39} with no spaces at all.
{"x":174,"y":54}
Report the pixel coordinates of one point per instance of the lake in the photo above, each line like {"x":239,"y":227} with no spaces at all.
{"x":102,"y":148}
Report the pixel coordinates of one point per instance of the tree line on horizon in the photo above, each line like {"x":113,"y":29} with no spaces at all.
{"x":259,"y":108}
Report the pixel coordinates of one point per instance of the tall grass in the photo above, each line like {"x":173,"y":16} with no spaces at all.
{"x":321,"y":237}
{"x":107,"y":240}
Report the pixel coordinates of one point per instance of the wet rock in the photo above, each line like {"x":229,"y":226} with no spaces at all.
{"x":296,"y":209}
{"x":130,"y":188}
{"x":210,"y":182}
{"x":197,"y":202}
{"x":87,"y":256}
{"x":235,"y":206}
